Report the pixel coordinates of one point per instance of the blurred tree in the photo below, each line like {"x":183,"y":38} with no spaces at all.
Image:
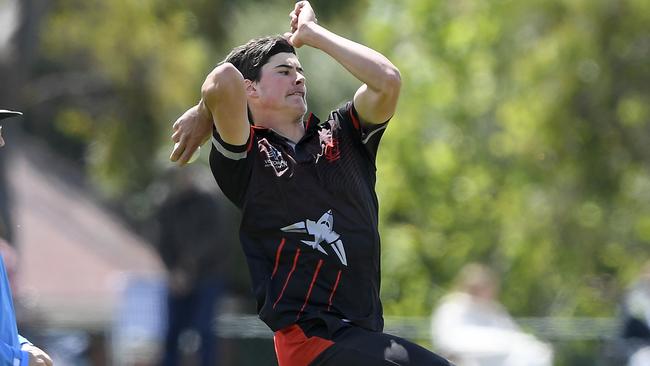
{"x":105,"y":80}
{"x":111,"y":77}
{"x":522,"y":141}
{"x":122,"y":70}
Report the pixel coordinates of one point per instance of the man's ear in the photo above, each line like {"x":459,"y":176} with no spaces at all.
{"x":251,"y":88}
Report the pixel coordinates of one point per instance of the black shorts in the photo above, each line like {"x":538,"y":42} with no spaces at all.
{"x":311,"y":344}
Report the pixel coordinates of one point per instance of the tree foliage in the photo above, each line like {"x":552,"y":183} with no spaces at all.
{"x":139,"y":64}
{"x":521,"y":141}
{"x":521,"y":138}
{"x":114,"y":75}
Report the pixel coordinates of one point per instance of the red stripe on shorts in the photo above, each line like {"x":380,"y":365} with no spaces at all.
{"x":294,"y":348}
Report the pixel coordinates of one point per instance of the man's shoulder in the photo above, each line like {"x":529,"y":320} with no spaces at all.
{"x":342,"y":113}
{"x":343,"y":108}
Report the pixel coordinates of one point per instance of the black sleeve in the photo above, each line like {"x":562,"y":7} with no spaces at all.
{"x":232,"y":166}
{"x":367,"y":134}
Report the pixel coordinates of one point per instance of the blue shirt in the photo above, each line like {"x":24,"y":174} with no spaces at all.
{"x":10,"y":341}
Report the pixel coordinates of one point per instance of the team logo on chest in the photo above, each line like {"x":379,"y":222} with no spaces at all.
{"x":274,"y":159}
{"x":329,"y":141}
{"x":323,"y":231}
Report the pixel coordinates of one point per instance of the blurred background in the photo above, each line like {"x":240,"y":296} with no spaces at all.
{"x":522,"y":141}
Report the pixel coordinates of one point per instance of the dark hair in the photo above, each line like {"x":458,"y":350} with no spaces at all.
{"x":250,"y":57}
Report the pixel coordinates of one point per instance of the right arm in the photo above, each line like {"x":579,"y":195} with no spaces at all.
{"x":26,"y":355}
{"x":9,"y":355}
{"x":223,"y":105}
{"x":224,"y":95}
{"x":376,"y":100}
{"x":36,"y":356}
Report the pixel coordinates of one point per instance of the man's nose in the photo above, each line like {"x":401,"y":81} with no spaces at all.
{"x":300,"y":79}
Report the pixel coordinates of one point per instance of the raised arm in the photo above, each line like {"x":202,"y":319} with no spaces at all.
{"x":223,"y":104}
{"x":224,"y":95}
{"x":376,"y":99}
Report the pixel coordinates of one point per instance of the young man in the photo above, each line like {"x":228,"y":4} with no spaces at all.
{"x":14,"y":349}
{"x":306,"y":188}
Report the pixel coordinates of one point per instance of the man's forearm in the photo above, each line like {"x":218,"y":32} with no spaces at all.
{"x":366,"y":64}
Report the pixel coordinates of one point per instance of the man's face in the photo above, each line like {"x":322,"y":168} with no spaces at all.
{"x":281,"y":87}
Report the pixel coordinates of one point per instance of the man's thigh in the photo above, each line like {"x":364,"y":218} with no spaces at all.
{"x":359,"y":347}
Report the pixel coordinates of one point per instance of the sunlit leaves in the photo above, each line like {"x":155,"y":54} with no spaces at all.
{"x":151,"y":67}
{"x":518,"y":142}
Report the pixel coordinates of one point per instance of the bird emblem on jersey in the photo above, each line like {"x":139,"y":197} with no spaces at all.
{"x":323,"y":231}
{"x":273,"y":158}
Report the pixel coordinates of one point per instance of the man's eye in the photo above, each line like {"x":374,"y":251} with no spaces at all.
{"x":284,"y":72}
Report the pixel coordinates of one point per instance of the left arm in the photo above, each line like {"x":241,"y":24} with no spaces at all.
{"x":376,"y":99}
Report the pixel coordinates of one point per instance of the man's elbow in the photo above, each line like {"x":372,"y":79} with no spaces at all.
{"x":221,"y":79}
{"x":392,"y":80}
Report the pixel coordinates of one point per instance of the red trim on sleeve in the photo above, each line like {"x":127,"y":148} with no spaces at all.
{"x":277,"y":257}
{"x":336,"y":284}
{"x":311,"y":286}
{"x":294,"y":348}
{"x":286,"y":282}
{"x":355,"y":121}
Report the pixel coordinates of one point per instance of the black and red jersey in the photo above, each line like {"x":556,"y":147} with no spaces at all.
{"x":309,"y":226}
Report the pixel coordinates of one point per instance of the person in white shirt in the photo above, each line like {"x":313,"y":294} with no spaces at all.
{"x":471,"y":328}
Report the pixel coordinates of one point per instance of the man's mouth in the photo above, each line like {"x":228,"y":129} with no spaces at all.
{"x":298,"y":93}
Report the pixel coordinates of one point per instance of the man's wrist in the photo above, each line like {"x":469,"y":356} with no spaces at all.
{"x":203,"y":110}
{"x":311,"y":31}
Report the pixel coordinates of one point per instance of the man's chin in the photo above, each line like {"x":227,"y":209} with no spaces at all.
{"x":299,"y":116}
{"x":301,"y":110}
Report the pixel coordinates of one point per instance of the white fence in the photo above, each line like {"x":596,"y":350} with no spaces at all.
{"x":552,"y":329}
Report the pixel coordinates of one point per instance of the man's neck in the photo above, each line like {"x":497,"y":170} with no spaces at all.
{"x":293,"y":131}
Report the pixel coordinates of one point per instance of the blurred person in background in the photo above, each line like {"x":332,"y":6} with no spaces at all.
{"x":5,"y":224}
{"x":190,"y":245}
{"x":471,"y":328}
{"x":14,"y":349}
{"x":636,"y":320}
